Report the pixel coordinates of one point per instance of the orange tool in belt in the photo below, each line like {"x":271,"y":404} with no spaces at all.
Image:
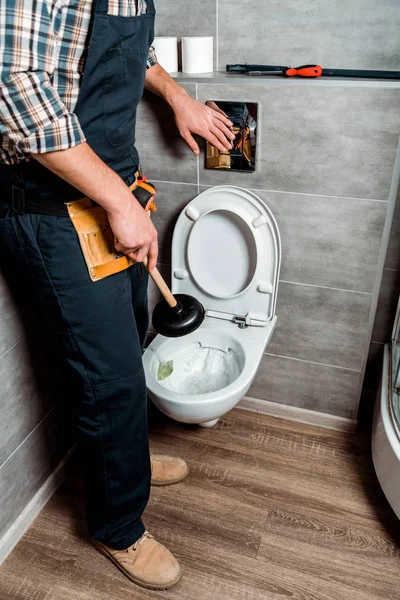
{"x":145,"y":194}
{"x":95,"y":235}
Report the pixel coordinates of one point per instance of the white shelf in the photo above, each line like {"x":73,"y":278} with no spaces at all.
{"x":221,"y":77}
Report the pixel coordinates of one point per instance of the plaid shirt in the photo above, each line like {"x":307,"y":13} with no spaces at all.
{"x":43,"y":47}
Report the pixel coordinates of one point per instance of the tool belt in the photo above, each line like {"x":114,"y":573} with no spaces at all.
{"x":96,"y":238}
{"x":90,"y":221}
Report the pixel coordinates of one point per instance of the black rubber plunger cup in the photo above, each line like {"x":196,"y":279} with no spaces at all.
{"x":178,"y":315}
{"x":183,"y":318}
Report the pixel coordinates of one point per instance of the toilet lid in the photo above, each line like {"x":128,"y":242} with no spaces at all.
{"x":226,"y":251}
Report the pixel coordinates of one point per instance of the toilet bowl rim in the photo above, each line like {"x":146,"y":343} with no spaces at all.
{"x":252,"y":357}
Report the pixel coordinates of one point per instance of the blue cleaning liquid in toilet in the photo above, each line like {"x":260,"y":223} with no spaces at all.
{"x":200,"y":370}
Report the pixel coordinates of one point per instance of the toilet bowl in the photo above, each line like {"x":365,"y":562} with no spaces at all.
{"x":226,"y":251}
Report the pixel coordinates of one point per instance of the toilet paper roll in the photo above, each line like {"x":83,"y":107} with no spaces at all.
{"x":167,"y":52}
{"x":197,"y":54}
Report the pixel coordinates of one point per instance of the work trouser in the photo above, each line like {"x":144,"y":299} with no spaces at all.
{"x":101,"y":328}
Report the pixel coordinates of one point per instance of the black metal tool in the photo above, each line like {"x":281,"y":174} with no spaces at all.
{"x":309,"y":71}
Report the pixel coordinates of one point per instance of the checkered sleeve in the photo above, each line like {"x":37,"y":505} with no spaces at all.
{"x":32,"y":114}
{"x":151,"y":58}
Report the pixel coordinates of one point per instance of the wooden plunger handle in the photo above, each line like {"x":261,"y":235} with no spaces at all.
{"x":162,"y":286}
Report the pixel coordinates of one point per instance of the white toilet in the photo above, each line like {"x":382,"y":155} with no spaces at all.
{"x":226,"y":251}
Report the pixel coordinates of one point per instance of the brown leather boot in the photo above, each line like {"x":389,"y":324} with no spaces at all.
{"x":166,"y":470}
{"x":147,"y":563}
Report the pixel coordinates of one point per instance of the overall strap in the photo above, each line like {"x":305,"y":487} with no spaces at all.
{"x":150,"y":7}
{"x":100,"y":7}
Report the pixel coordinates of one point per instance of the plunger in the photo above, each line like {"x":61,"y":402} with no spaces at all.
{"x":178,"y":315}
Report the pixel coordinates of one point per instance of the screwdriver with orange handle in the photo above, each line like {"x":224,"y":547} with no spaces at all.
{"x":303,"y":71}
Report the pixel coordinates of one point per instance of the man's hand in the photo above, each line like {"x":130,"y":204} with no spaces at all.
{"x":135,"y":234}
{"x":192,"y":117}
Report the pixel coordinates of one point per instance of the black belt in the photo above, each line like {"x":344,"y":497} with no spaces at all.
{"x":22,"y":202}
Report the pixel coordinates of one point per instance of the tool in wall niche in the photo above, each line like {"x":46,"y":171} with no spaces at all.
{"x":308,"y":71}
{"x":242,"y":156}
{"x":174,"y":316}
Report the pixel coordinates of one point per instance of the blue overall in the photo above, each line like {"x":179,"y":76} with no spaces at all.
{"x":101,"y":326}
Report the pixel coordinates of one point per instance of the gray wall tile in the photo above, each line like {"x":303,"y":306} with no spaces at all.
{"x":333,"y":242}
{"x":322,"y":325}
{"x":30,"y":465}
{"x":171,"y":199}
{"x":180,"y":18}
{"x":393,"y":253}
{"x":163,"y":153}
{"x":360,"y":35}
{"x":22,"y":404}
{"x":306,"y":385}
{"x":11,"y":328}
{"x":338,"y":141}
{"x":387,"y":305}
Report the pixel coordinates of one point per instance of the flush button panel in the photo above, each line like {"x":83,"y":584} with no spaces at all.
{"x":242,"y":155}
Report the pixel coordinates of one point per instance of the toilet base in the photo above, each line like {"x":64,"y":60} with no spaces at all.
{"x":209,"y":423}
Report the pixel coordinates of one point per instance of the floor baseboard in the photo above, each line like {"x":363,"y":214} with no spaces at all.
{"x":12,"y":536}
{"x":293,"y":413}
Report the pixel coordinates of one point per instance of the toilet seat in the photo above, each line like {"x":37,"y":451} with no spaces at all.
{"x":226,"y":252}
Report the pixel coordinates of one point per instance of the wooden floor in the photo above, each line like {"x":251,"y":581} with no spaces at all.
{"x":272,"y":510}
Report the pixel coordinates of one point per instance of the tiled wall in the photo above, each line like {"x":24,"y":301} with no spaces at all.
{"x":34,"y":433}
{"x":339,"y":34}
{"x":327,"y":156}
{"x":325,"y":169}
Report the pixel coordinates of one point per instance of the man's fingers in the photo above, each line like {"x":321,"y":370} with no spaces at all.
{"x":191,"y":142}
{"x":221,"y":116}
{"x":153,"y":255}
{"x":140,"y":254}
{"x":210,"y":137}
{"x":118,"y":245}
{"x":132,"y":252}
{"x":226,"y":144}
{"x":128,"y":251}
{"x":225,"y":130}
{"x":217,"y":109}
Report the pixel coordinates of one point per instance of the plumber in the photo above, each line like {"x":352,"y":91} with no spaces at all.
{"x":71,"y":75}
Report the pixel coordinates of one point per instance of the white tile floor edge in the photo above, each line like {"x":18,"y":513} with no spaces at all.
{"x":293,"y":413}
{"x":15,"y":532}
